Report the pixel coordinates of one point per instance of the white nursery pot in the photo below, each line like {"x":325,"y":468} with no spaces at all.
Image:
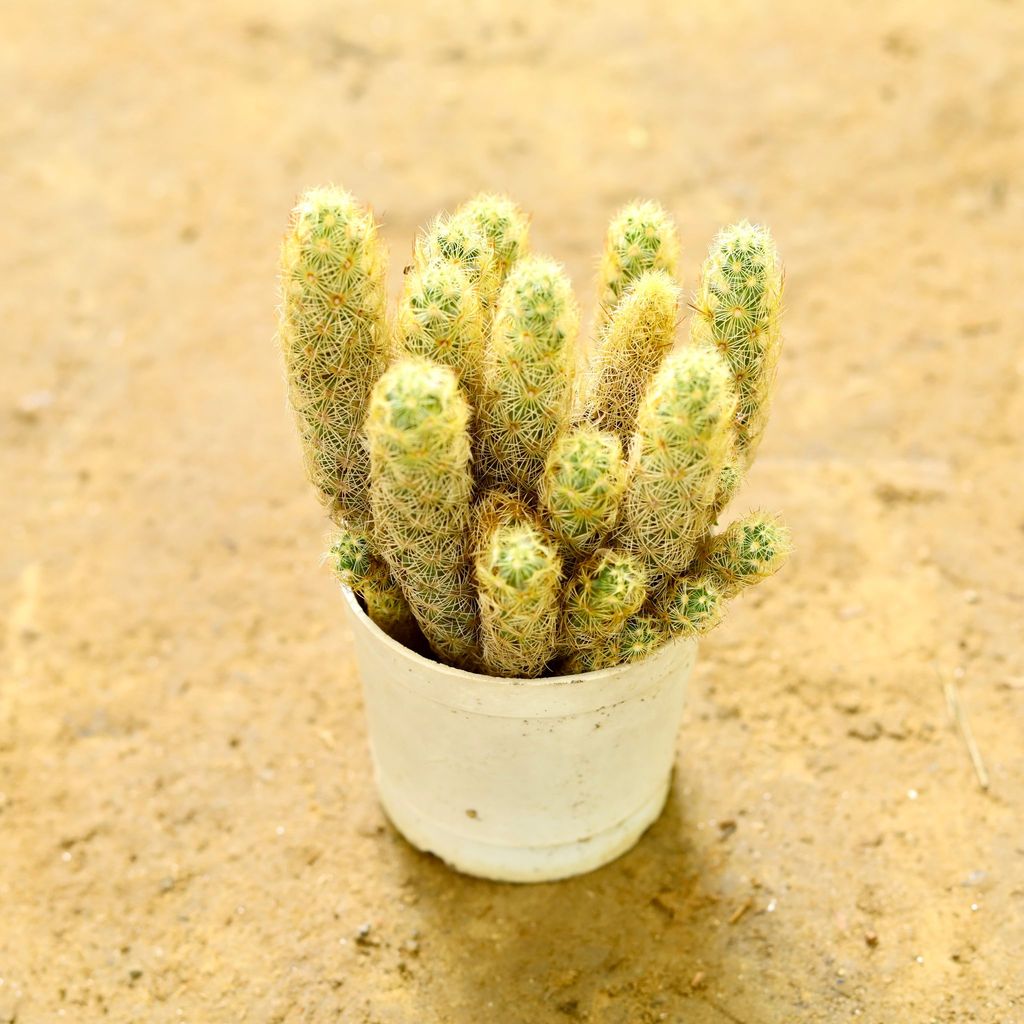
{"x":520,"y":780}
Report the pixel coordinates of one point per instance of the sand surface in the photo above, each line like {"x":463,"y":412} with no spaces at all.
{"x":188,"y":828}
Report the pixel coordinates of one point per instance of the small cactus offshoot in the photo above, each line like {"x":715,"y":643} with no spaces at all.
{"x":604,"y":592}
{"x":737,"y":308}
{"x":334,"y":339}
{"x":518,"y":573}
{"x":422,"y":488}
{"x":641,"y":237}
{"x":750,"y":550}
{"x":583,"y":482}
{"x":359,"y":569}
{"x":636,"y":339}
{"x":683,"y":438}
{"x":518,"y":516}
{"x":528,"y":373}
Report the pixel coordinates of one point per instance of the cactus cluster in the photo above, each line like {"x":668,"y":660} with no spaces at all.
{"x":498,"y":498}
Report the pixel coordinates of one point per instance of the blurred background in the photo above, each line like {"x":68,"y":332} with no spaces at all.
{"x":188,"y":828}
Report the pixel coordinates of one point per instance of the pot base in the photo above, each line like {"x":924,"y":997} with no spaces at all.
{"x":520,"y":863}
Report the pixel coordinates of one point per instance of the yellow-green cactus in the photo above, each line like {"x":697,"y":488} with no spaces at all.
{"x":518,"y":573}
{"x":692,"y":606}
{"x":684,"y":437}
{"x":641,"y":635}
{"x":750,"y":550}
{"x":440,"y":317}
{"x":583,"y":483}
{"x":737,"y":308}
{"x":359,"y":569}
{"x":503,"y":223}
{"x":633,"y":344}
{"x":422,"y":487}
{"x":641,"y":237}
{"x":603,"y":593}
{"x":334,"y":339}
{"x":458,"y":242}
{"x":528,"y":372}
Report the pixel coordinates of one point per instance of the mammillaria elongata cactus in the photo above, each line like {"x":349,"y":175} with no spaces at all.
{"x":519,"y":525}
{"x":518,"y":572}
{"x":583,"y":482}
{"x":333,"y":336}
{"x":737,"y":309}
{"x":684,"y":436}
{"x":422,"y":489}
{"x":528,"y":368}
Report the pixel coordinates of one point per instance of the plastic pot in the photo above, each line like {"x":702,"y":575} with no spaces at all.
{"x":520,"y":780}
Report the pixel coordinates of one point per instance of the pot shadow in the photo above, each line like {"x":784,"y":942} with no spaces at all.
{"x":643,"y":936}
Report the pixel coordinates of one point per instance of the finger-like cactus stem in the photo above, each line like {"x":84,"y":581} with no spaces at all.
{"x":334,"y":340}
{"x":417,"y":427}
{"x":458,"y":242}
{"x":684,"y":436}
{"x":518,"y":574}
{"x":604,"y":592}
{"x":359,"y":569}
{"x":633,"y":344}
{"x":583,"y":482}
{"x":440,"y":318}
{"x":692,"y":606}
{"x":750,"y":550}
{"x":641,"y":635}
{"x":737,"y":308}
{"x":641,"y":237}
{"x":503,"y":223}
{"x":528,"y":371}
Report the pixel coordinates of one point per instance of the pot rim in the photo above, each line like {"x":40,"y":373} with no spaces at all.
{"x":578,"y":678}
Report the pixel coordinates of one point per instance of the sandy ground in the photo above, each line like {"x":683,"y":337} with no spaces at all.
{"x":188,"y":829}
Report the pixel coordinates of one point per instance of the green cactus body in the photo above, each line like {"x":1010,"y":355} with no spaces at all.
{"x":641,"y":237}
{"x":583,"y":482}
{"x":440,"y":318}
{"x":640,"y":636}
{"x":528,"y":372}
{"x":458,"y":242}
{"x":603,"y":593}
{"x":692,"y":606}
{"x":334,"y":339}
{"x":639,"y":335}
{"x":684,"y":437}
{"x":737,"y":308}
{"x":421,"y":486}
{"x":503,"y":223}
{"x":518,"y":574}
{"x":750,"y":550}
{"x":357,"y":568}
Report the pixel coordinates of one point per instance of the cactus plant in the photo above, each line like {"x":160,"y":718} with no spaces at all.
{"x":485,"y":505}
{"x":683,"y":439}
{"x":737,"y":308}
{"x":750,"y":550}
{"x":440,"y":317}
{"x":692,"y":606}
{"x":359,"y":569}
{"x":422,"y":488}
{"x":518,"y":574}
{"x":333,"y":336}
{"x":583,"y":482}
{"x":640,"y":636}
{"x":603,"y":593}
{"x":528,"y":367}
{"x":635,"y":340}
{"x":459,"y":242}
{"x":641,"y":237}
{"x":500,"y":221}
